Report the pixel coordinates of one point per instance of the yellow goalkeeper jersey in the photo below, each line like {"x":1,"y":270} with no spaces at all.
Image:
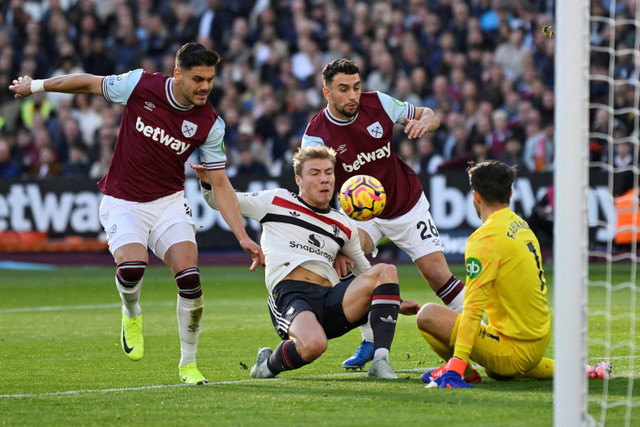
{"x":504,"y":278}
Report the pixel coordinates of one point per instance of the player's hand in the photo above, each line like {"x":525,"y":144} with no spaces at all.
{"x":201,"y":171}
{"x":409,"y":307}
{"x":452,"y":379}
{"x":21,"y":87}
{"x":253,"y":249}
{"x":342,"y":265}
{"x":416,"y":128}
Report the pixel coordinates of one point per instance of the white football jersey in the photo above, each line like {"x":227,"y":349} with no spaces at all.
{"x":297,"y":234}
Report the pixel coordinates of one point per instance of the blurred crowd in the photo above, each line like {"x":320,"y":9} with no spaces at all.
{"x":484,"y":66}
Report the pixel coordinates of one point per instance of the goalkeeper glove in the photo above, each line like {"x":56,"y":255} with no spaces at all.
{"x":454,"y":376}
{"x":452,"y":379}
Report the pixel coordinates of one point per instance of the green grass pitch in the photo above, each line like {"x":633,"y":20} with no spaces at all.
{"x":61,"y":361}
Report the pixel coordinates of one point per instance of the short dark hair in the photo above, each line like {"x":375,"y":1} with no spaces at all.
{"x":336,"y":66}
{"x":492,"y":180}
{"x":194,"y":54}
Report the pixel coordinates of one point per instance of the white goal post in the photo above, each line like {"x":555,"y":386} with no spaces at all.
{"x":570,"y":229}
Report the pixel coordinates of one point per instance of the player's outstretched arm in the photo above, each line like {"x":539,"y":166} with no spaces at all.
{"x":69,"y":83}
{"x":425,"y":121}
{"x":227,"y":203}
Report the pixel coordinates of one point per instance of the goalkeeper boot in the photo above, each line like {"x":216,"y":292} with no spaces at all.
{"x":256,"y":370}
{"x":131,"y":337}
{"x":362,"y":355}
{"x":600,"y":370}
{"x":473,"y":378}
{"x":381,"y":368}
{"x":189,"y":374}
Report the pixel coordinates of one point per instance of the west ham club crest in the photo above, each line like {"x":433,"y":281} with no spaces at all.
{"x":188,"y":128}
{"x":375,"y":130}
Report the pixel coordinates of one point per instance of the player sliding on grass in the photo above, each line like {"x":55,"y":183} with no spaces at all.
{"x":359,"y":127}
{"x":301,"y":237}
{"x":165,"y":120}
{"x":505,"y":279}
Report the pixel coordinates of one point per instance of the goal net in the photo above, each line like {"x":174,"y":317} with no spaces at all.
{"x":597,"y":222}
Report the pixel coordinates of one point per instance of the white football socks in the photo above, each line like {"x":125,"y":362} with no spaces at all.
{"x":456,"y":303}
{"x":130,"y":298}
{"x":189,"y":313}
{"x":367,"y":332}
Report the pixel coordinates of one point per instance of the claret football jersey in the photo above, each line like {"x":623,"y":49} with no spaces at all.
{"x":363,"y":146}
{"x":156,"y":137}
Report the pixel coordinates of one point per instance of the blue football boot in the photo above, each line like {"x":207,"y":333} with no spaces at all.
{"x":362,"y":355}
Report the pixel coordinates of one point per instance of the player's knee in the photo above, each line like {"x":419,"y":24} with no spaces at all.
{"x":385,"y":273}
{"x":312,"y":348}
{"x":426,"y":317}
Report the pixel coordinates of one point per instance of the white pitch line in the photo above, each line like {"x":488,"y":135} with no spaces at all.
{"x":245,"y":381}
{"x":162,"y":386}
{"x":210,"y":303}
{"x":69,"y":307}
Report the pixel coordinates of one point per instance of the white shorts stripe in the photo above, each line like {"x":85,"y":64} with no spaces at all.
{"x":385,"y":301}
{"x":283,"y":324}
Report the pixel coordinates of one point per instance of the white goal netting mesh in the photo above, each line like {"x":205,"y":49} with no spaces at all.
{"x":613,"y":206}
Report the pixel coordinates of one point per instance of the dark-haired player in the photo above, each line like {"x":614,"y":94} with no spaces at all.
{"x":359,"y":127}
{"x":506,"y":280}
{"x":164,"y":121}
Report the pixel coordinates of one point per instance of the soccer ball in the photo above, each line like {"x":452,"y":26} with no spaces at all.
{"x":362,"y":197}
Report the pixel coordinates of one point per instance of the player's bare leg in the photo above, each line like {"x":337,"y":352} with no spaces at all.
{"x":182,"y":258}
{"x":307,"y":341}
{"x":131,"y":260}
{"x":436,"y":272}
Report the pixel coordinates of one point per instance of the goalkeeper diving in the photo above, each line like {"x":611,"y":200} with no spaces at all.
{"x":506,"y":280}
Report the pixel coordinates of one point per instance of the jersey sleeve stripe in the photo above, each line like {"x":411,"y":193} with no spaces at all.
{"x":105,"y":92}
{"x":214,"y":165}
{"x":300,"y":223}
{"x":412,"y":111}
{"x":278,"y":201}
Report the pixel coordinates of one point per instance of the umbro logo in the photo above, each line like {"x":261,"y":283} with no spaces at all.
{"x":294,"y":213}
{"x":388,"y":319}
{"x":112,"y":231}
{"x":149,"y":105}
{"x":341,"y":149}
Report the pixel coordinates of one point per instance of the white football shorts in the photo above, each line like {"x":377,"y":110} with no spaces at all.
{"x":158,"y":224}
{"x":414,"y":232}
